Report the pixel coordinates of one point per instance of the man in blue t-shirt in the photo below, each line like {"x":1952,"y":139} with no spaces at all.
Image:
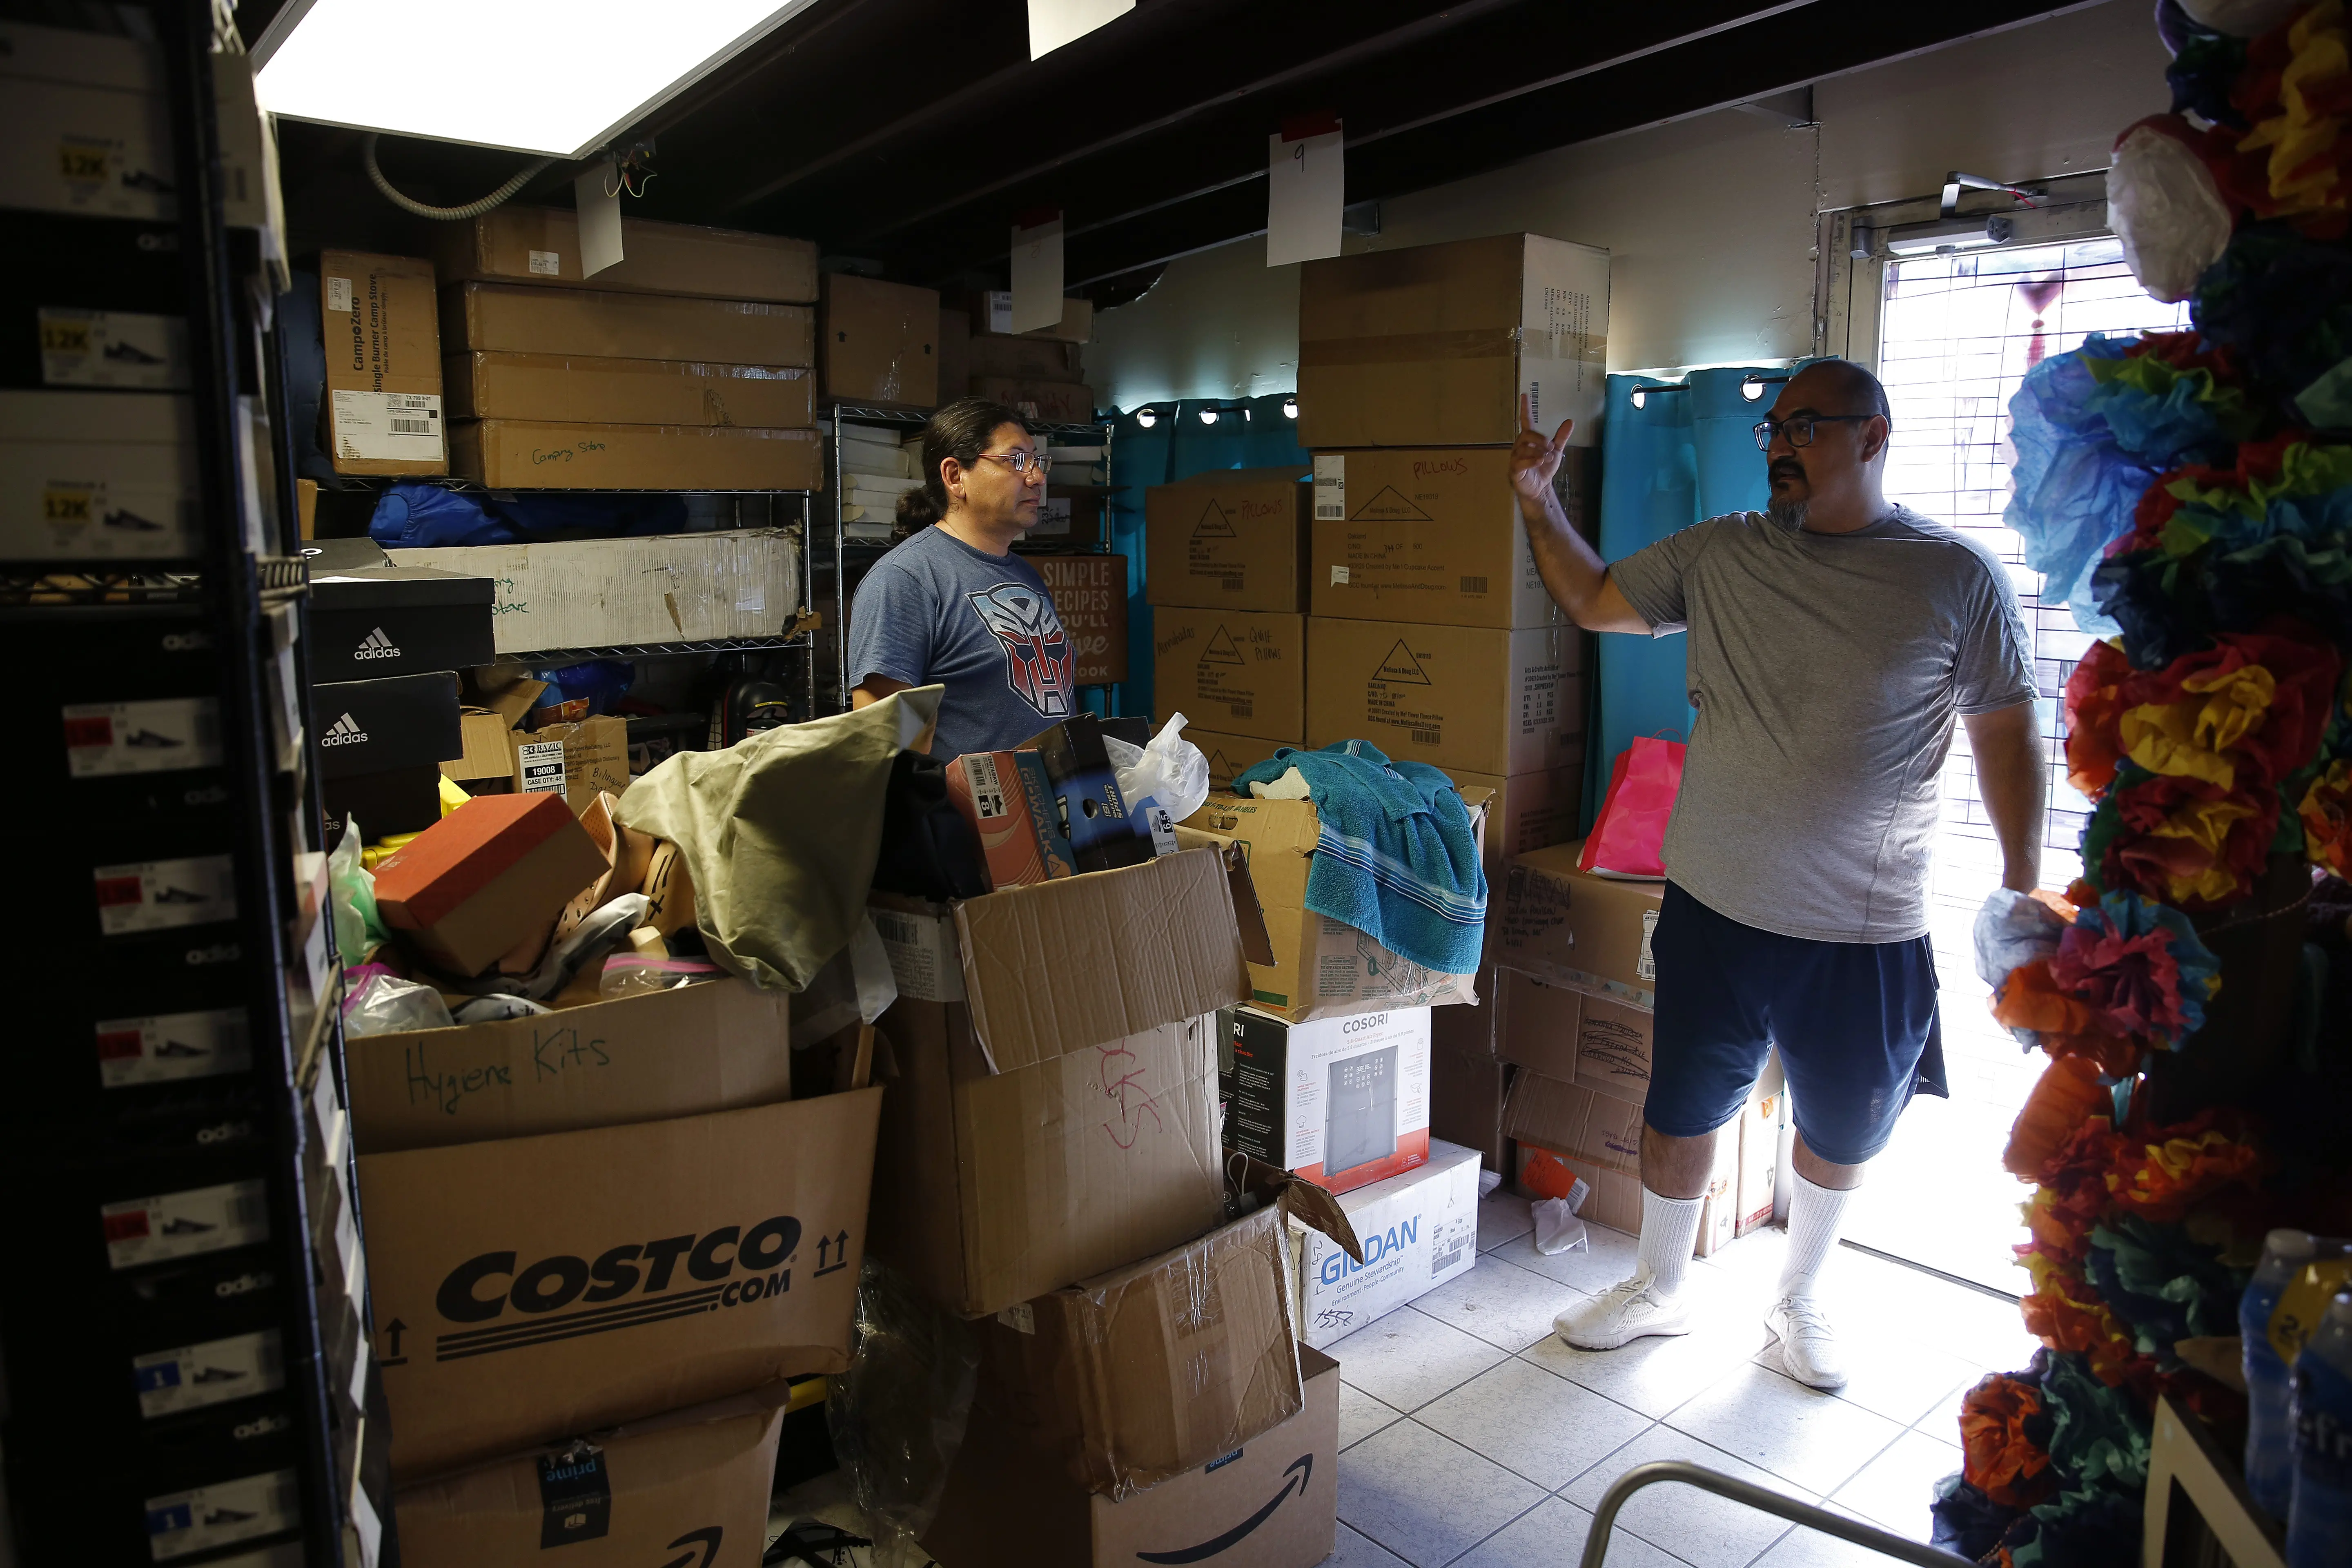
{"x":953,"y":605}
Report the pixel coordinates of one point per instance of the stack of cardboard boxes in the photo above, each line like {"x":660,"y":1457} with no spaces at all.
{"x":1042,"y":373}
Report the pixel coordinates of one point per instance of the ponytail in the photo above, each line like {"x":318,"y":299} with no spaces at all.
{"x":960,"y":430}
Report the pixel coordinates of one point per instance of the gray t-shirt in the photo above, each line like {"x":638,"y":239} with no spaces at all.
{"x":935,"y":609}
{"x":1827,"y":670}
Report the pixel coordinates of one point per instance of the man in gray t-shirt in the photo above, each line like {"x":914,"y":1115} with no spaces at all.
{"x":1833,"y":639}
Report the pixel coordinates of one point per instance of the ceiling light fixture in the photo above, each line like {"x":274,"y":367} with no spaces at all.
{"x":1147,"y":418}
{"x":1945,"y":236}
{"x":531,"y":76}
{"x":1291,"y":408}
{"x":1208,"y":416}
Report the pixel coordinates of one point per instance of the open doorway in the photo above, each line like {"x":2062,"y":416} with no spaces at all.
{"x":1956,"y":335}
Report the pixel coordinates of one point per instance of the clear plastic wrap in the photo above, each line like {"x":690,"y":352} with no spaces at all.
{"x":383,"y":1004}
{"x":1558,"y":1229}
{"x":352,"y":891}
{"x":2166,"y":208}
{"x":634,"y":974}
{"x":1169,"y":771}
{"x":898,"y":1415}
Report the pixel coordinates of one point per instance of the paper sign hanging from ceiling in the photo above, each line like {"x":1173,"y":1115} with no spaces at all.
{"x":1052,"y":23}
{"x":1306,"y":187}
{"x":598,"y":196}
{"x":1038,"y":272}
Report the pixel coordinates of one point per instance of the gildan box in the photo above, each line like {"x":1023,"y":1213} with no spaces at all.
{"x":1144,"y":1372}
{"x":1052,"y":1074}
{"x":1433,"y":345}
{"x":879,"y":341}
{"x":382,"y":410}
{"x":1538,"y":1026}
{"x":372,"y":620}
{"x":1047,"y":402}
{"x":1341,"y":1103}
{"x":483,"y":878}
{"x":1271,"y":1503}
{"x":1229,"y":754}
{"x":517,"y":319}
{"x":991,"y":314}
{"x":1090,"y":596}
{"x":585,"y":389}
{"x":1239,"y":671}
{"x":528,"y":1289}
{"x":617,"y":1498}
{"x":1021,"y":359}
{"x":1417,"y":1230}
{"x":1430,"y":535}
{"x":594,"y":593}
{"x":1009,"y":802}
{"x":1231,"y":538}
{"x":520,"y":453}
{"x":1496,"y":702}
{"x":578,"y":762}
{"x":97,"y":477}
{"x":1572,"y":928}
{"x":541,"y":245}
{"x":1466,"y":1098}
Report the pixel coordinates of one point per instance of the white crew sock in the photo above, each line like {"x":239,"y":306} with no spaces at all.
{"x":1669,"y":1231}
{"x":1814,"y":1215}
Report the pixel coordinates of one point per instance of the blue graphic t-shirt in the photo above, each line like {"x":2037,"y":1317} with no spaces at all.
{"x":936,"y":611}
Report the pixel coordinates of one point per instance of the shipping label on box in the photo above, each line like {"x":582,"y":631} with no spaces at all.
{"x":1569,"y":928}
{"x":1429,"y":535}
{"x":1241,"y":671}
{"x":1231,"y":539}
{"x":1418,"y":1229}
{"x":1090,"y":596}
{"x":1342,"y":1103}
{"x":578,"y":762}
{"x":1490,"y":701}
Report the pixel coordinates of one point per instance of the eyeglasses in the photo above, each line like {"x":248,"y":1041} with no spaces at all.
{"x":1799,"y":430}
{"x":1021,"y":463}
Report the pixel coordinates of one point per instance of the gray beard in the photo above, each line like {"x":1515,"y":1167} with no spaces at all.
{"x":1788,"y":516}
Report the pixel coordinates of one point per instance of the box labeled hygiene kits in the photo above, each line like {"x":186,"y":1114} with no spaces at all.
{"x":1342,"y":1103}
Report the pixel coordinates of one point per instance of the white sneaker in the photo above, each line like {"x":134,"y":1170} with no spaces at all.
{"x":1808,"y":1346}
{"x":1627,"y":1310}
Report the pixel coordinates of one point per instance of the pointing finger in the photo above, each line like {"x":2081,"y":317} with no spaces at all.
{"x":1527,"y":415}
{"x":1559,"y":438}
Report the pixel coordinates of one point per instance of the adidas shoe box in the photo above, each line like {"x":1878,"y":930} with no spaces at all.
{"x":93,"y":302}
{"x":380,"y":745}
{"x":97,"y":475}
{"x":1342,"y":1103}
{"x":370,"y":622}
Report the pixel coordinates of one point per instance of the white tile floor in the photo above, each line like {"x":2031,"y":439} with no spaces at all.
{"x":1471,"y":1437}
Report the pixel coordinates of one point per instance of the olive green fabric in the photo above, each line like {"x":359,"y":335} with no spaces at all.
{"x":780,"y":832}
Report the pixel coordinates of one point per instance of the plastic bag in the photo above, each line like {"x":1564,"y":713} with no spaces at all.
{"x":498,"y":1009}
{"x":383,"y":1004}
{"x":359,"y":929}
{"x":1558,"y":1229}
{"x":1629,"y":837}
{"x":2013,"y":929}
{"x":608,"y":923}
{"x":898,"y":1414}
{"x":634,"y":974}
{"x":2166,"y":209}
{"x":1170,"y":772}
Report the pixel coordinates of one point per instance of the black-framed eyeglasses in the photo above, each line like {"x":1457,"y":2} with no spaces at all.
{"x":1799,"y":429}
{"x":1023,"y":463}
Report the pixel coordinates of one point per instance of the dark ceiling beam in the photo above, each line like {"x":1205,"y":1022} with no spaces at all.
{"x":1773,"y":54}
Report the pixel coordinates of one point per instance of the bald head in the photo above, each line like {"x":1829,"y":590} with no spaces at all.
{"x":1829,"y":448}
{"x":1837,"y":386}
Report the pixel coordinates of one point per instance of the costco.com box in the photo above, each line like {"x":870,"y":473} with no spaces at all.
{"x":531,"y":1288}
{"x":1418,"y":1230}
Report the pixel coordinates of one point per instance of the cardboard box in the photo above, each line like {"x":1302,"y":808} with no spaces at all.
{"x":1466,"y":1098}
{"x":517,"y":319}
{"x":1531,"y":811}
{"x":1496,"y":702}
{"x":992,"y":315}
{"x":1020,"y":359}
{"x":1341,"y":1103}
{"x":486,"y":748}
{"x":1569,"y":927}
{"x":485,"y":877}
{"x":1612,"y":1047}
{"x":1718,"y":1216}
{"x":1763,"y":1123}
{"x":382,"y":410}
{"x":1539,"y":1026}
{"x":1229,"y":754}
{"x":1417,"y":1230}
{"x":720,"y":1045}
{"x":1148,"y":1371}
{"x":594,"y":593}
{"x":1272,"y":1503}
{"x":88,"y":478}
{"x":1051,"y":1111}
{"x":880,"y":341}
{"x":1241,"y":670}
{"x":1471,"y":1030}
{"x":582,"y":389}
{"x":1229,"y":539}
{"x":1105,"y":834}
{"x":497,"y":1271}
{"x":1090,"y":596}
{"x":1045,"y":402}
{"x":1567,"y":1133}
{"x":1009,"y":802}
{"x":578,"y":762}
{"x":1431,"y":535}
{"x":1432,"y":345}
{"x":516,"y":454}
{"x":620,"y":1499}
{"x":540,"y":247}
{"x":376,"y":726}
{"x":368,"y":622}
{"x":1321,"y":968}
{"x":955,"y":353}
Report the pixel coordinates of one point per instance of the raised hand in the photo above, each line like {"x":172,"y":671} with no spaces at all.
{"x":1535,"y":460}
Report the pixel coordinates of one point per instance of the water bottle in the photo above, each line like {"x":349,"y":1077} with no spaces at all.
{"x":2320,"y":1519}
{"x":2270,"y":1434}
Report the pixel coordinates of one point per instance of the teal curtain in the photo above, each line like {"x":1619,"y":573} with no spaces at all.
{"x":1685,"y":452}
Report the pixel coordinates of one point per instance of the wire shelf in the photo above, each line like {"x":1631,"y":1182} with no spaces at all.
{"x":879,"y":413}
{"x":656,"y":649}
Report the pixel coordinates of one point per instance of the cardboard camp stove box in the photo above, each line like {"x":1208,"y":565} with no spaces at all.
{"x":1342,"y":1103}
{"x":1322,"y":967}
{"x":1413,"y":1232}
{"x":1050,"y":1063}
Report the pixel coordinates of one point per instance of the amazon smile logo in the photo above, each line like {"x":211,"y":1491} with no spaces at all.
{"x":1295,"y":1479}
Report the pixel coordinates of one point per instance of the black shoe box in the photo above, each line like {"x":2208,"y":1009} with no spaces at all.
{"x":378,"y":726}
{"x":92,"y":301}
{"x":370,"y":622}
{"x":404,"y":800}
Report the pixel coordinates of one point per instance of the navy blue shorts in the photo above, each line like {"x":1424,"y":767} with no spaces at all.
{"x":1855,"y":1023}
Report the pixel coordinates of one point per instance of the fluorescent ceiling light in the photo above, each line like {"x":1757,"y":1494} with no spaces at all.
{"x":1949,"y":234}
{"x":559,"y":80}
